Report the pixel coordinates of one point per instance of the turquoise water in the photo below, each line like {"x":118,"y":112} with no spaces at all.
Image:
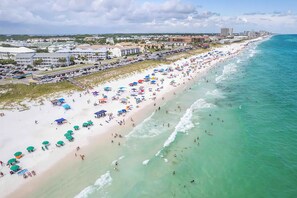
{"x":234,"y":135}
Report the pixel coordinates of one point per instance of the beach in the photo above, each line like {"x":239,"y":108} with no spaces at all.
{"x":139,"y":100}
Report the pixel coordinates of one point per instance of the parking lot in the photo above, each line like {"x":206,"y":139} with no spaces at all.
{"x":19,"y":74}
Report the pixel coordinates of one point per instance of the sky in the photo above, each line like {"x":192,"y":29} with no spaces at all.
{"x":145,"y":16}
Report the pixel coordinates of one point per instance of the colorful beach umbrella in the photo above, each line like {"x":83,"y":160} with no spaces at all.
{"x":15,"y":168}
{"x":11,"y":161}
{"x":76,"y":127}
{"x":90,"y":122}
{"x":69,"y":138}
{"x":70,"y":131}
{"x":67,"y":134}
{"x":85,"y":124}
{"x":30,"y":148}
{"x":45,"y":143}
{"x":60,"y":143}
{"x":19,"y":153}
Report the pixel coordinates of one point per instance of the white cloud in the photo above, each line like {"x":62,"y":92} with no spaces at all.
{"x":131,"y":16}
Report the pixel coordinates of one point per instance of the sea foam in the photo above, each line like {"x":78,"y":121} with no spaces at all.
{"x":185,"y":122}
{"x":228,"y":70}
{"x":137,"y":131}
{"x":101,"y":182}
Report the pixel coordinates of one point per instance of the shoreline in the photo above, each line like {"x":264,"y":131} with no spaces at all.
{"x":89,"y":142}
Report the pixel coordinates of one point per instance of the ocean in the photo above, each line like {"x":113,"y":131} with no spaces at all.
{"x":230,"y":134}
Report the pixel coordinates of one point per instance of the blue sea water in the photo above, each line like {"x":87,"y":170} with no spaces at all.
{"x":234,"y":135}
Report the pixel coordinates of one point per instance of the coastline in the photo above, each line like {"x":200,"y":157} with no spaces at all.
{"x":101,"y":138}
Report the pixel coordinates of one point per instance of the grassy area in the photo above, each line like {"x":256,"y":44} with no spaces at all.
{"x":115,"y":73}
{"x":14,"y":93}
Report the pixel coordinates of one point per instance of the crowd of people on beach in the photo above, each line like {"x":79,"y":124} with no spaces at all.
{"x":184,"y":70}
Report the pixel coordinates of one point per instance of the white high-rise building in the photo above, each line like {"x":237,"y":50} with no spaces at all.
{"x":226,"y":31}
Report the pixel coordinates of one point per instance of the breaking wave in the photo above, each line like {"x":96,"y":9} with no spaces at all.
{"x":101,"y":182}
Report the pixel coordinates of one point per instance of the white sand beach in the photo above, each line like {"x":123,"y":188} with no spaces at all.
{"x":21,"y":129}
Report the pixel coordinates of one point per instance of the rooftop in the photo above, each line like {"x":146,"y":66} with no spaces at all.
{"x":16,"y":50}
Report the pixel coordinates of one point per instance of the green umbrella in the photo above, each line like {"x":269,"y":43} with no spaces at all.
{"x":85,"y":124}
{"x":15,"y":168}
{"x":45,"y":143}
{"x":11,"y":161}
{"x":69,"y":138}
{"x":67,"y":134}
{"x":18,"y":154}
{"x":90,"y":122}
{"x":30,"y":148}
{"x":76,"y":127}
{"x":70,"y":131}
{"x":60,"y":142}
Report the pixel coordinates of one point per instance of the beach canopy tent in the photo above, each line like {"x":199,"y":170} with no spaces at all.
{"x":61,"y":143}
{"x":59,"y":101}
{"x":67,"y":134}
{"x":60,"y":121}
{"x":85,"y":124}
{"x":76,"y":127}
{"x":95,"y":93}
{"x":15,"y":168}
{"x":66,"y":106}
{"x":70,"y":138}
{"x":22,"y":172}
{"x":70,"y":132}
{"x":107,"y":88}
{"x":18,"y":154}
{"x":120,"y":112}
{"x":12,"y":161}
{"x":100,"y":113}
{"x":30,"y":149}
{"x":45,"y":143}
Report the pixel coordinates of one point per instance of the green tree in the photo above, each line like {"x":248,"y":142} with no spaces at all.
{"x":37,"y":62}
{"x":7,"y":61}
{"x":72,"y":60}
{"x":62,"y":61}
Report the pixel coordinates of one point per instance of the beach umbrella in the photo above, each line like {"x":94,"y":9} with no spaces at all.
{"x":70,"y":131}
{"x":11,"y":161}
{"x":15,"y":168}
{"x":69,"y":137}
{"x":67,"y":134}
{"x":85,"y":124}
{"x":30,"y":148}
{"x":18,"y":154}
{"x":60,"y":142}
{"x":76,"y":127}
{"x":90,"y":122}
{"x":45,"y":143}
